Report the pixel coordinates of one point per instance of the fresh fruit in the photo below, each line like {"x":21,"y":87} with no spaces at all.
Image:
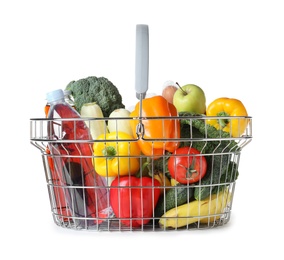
{"x":169,"y":90}
{"x":163,"y":180}
{"x":174,"y":182}
{"x":187,"y":165}
{"x":203,"y":211}
{"x":190,"y":98}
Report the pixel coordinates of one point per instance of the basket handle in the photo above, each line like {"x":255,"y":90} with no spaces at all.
{"x":142,"y":60}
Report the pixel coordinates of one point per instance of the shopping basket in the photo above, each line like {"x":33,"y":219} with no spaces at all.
{"x":145,"y":200}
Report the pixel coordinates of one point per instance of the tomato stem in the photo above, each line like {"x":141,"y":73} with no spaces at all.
{"x":191,"y":169}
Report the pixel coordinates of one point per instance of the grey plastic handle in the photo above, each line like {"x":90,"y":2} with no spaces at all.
{"x":142,"y":60}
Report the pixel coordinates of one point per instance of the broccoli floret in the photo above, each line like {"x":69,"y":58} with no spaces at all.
{"x":96,"y":89}
{"x":208,"y":132}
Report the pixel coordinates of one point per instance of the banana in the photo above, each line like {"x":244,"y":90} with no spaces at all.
{"x":195,"y":211}
{"x":173,"y":182}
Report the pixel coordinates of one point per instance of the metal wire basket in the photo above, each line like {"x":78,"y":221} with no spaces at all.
{"x":87,"y":192}
{"x":137,"y":207}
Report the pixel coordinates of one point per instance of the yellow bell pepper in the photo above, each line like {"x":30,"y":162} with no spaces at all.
{"x":118,"y":155}
{"x":228,"y":107}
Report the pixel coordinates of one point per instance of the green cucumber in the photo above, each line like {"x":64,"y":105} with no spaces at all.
{"x":175,"y":196}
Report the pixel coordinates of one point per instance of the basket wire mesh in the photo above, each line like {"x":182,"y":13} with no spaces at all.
{"x":68,"y":191}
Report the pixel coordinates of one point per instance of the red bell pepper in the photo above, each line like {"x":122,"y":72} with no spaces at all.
{"x":133,"y":199}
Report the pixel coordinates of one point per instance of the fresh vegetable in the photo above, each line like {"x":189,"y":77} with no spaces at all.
{"x":187,"y":165}
{"x":159,"y":164}
{"x":218,"y":153}
{"x":118,"y":155}
{"x":194,"y":137}
{"x":207,"y":131}
{"x":119,"y":121}
{"x":228,"y":107}
{"x":94,"y":113}
{"x":133,"y":199}
{"x":96,"y":89}
{"x":196,"y":211}
{"x":194,"y":129}
{"x":220,"y":171}
{"x":175,"y":196}
{"x":160,"y":128}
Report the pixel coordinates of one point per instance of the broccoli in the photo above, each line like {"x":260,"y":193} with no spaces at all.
{"x":220,"y":171}
{"x":96,"y":89}
{"x":194,"y":137}
{"x":197,"y":134}
{"x":206,"y":131}
{"x":218,"y":153}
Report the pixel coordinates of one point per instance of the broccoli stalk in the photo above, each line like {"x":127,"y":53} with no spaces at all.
{"x":96,"y":89}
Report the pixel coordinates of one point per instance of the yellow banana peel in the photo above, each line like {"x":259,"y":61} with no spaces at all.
{"x":204,"y":211}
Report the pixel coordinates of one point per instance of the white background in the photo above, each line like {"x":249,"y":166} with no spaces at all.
{"x":228,"y":48}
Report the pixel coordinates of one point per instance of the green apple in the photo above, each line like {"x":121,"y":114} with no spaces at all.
{"x":190,"y":98}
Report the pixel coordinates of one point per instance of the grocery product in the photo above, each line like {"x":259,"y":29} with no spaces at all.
{"x":72,"y":160}
{"x":115,"y":155}
{"x":67,"y":99}
{"x":163,"y":128}
{"x":190,"y":98}
{"x":133,"y":199}
{"x":98,"y":125}
{"x":95,"y":89}
{"x":223,"y":108}
{"x":162,"y":165}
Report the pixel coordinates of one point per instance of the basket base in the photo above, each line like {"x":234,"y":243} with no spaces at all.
{"x":115,"y":225}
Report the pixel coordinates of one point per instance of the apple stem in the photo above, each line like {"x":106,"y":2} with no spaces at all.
{"x":184,"y":92}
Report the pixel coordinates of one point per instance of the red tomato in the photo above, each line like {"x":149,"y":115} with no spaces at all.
{"x":187,"y":165}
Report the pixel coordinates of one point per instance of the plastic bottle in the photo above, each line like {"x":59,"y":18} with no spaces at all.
{"x":67,"y":99}
{"x":61,"y":206}
{"x":73,"y":162}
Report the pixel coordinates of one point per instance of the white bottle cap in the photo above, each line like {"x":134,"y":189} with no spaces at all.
{"x":67,"y":92}
{"x":54,"y":95}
